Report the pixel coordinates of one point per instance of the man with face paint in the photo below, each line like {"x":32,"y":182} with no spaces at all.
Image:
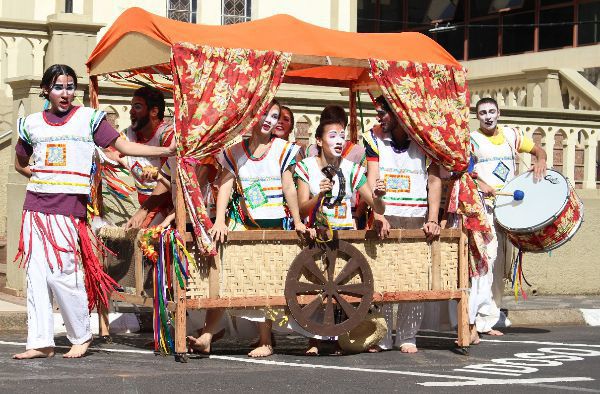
{"x":148,"y":127}
{"x":61,"y":142}
{"x":414,"y":190}
{"x":493,"y":151}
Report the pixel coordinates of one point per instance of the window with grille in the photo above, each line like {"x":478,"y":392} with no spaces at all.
{"x":235,"y":11}
{"x":182,"y":10}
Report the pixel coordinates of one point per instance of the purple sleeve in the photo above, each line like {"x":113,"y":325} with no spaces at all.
{"x":105,"y":134}
{"x":23,"y":149}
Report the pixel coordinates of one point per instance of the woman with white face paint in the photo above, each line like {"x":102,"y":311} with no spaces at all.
{"x":327,"y":183}
{"x":55,"y":152}
{"x":258,"y":170}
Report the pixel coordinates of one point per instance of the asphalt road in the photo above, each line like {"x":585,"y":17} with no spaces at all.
{"x":532,"y":360}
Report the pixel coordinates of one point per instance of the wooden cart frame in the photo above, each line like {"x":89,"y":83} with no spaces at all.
{"x":134,"y":51}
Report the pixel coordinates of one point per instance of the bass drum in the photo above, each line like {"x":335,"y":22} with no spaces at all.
{"x":549,"y":214}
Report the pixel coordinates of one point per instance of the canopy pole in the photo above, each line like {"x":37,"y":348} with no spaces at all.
{"x":180,"y":294}
{"x":353,"y":125}
{"x":94,"y":101}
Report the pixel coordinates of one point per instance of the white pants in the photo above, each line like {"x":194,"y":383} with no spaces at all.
{"x":408,"y":322}
{"x":410,"y":314}
{"x":44,"y":283}
{"x":486,"y":290}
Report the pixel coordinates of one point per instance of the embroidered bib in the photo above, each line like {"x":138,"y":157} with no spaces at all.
{"x":62,"y":153}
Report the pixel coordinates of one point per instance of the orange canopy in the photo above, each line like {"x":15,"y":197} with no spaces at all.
{"x":139,"y":39}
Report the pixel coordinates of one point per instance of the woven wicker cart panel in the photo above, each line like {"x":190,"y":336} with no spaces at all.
{"x":251,"y":268}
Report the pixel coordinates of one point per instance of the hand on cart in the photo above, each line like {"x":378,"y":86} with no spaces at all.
{"x":218,"y":232}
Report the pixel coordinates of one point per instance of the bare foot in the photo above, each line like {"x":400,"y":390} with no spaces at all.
{"x":375,"y":349}
{"x":43,"y":352}
{"x":313,"y":347}
{"x":78,"y":351}
{"x":312,"y":351}
{"x":408,"y":348}
{"x":494,"y":333}
{"x":201,"y":344}
{"x":261,"y":351}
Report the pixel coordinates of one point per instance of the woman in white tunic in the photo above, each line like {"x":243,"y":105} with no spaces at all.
{"x":260,"y":170}
{"x":325,"y":199}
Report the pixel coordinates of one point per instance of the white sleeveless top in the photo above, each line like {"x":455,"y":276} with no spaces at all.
{"x":136,"y":164}
{"x":339,"y":216}
{"x":405,"y":176}
{"x":261,"y":177}
{"x":494,"y":163}
{"x":62,"y":152}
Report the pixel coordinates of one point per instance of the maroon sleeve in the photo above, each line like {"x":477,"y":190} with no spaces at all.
{"x":23,"y":149}
{"x":105,"y":134}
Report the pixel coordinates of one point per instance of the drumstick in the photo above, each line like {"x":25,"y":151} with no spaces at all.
{"x":518,"y":195}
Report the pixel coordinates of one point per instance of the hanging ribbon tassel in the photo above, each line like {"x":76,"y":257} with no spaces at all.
{"x":171,"y":264}
{"x":517,"y":277}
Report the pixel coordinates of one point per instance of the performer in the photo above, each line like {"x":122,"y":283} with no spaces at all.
{"x":148,"y":127}
{"x":493,"y":152}
{"x":258,"y":171}
{"x":285,"y":125}
{"x":412,"y":201}
{"x":325,"y":199}
{"x":54,"y":234}
{"x":352,"y":152}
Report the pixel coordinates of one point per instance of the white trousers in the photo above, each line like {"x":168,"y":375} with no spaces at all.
{"x":410,"y":314}
{"x":47,"y":281}
{"x":486,"y":290}
{"x":408,"y":322}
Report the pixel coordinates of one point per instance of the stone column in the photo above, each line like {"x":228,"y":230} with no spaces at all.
{"x":569,"y":156}
{"x":589,"y":161}
{"x":26,"y":100}
{"x":543,"y":88}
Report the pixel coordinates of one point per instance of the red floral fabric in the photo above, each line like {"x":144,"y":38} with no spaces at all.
{"x":219,"y":93}
{"x":432,"y":102}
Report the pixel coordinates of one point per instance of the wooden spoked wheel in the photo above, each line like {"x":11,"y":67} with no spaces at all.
{"x":323,"y":302}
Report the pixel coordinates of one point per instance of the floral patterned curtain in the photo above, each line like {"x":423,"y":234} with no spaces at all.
{"x":219,"y":93}
{"x":432,"y":102}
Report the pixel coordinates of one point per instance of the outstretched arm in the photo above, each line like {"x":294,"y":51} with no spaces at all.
{"x":129,"y":148}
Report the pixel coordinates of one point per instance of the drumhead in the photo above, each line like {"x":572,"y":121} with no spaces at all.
{"x":544,"y":200}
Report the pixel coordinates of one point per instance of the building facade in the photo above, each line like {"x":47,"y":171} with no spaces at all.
{"x":539,"y":58}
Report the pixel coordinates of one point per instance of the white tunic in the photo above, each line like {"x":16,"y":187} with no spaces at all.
{"x":339,"y":216}
{"x":261,"y":178}
{"x":136,"y":164}
{"x":495,"y":164}
{"x":62,"y":152}
{"x":405,"y":176}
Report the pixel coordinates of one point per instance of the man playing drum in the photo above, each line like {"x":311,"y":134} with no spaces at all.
{"x":493,"y":152}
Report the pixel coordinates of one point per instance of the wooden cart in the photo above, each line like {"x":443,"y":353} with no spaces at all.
{"x":272,"y":268}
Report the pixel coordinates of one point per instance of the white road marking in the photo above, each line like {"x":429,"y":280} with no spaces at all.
{"x":591,"y":316}
{"x":481,"y":382}
{"x":566,"y":388}
{"x":464,"y":380}
{"x":513,"y":341}
{"x":337,"y":367}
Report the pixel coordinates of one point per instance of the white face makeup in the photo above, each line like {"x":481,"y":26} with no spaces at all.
{"x":333,"y":140}
{"x":270,"y":121}
{"x":61,"y":94}
{"x":487,"y":114}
